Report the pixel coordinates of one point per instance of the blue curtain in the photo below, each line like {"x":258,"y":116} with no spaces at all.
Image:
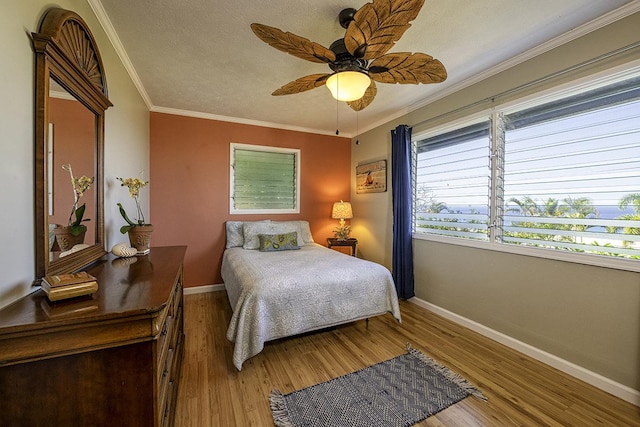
{"x":402,"y":261}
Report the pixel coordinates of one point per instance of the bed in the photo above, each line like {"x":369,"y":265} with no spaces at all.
{"x":276,"y":293}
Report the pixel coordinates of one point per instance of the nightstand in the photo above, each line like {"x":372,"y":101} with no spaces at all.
{"x":347,"y":246}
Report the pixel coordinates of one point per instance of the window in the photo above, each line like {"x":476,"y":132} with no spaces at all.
{"x":563,"y":174}
{"x":452,"y":183}
{"x":264,"y":179}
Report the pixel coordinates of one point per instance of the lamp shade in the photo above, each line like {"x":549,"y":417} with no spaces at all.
{"x":342,"y":210}
{"x":348,"y":85}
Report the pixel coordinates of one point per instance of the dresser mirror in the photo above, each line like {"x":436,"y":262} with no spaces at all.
{"x":71,"y":100}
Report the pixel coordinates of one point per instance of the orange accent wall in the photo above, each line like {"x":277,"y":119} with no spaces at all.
{"x":189,"y":184}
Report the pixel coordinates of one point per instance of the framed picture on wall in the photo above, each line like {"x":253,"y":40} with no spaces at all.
{"x":371,"y":177}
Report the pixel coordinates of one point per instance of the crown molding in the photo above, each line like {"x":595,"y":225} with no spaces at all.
{"x":250,"y":122}
{"x":105,"y":22}
{"x":602,"y":21}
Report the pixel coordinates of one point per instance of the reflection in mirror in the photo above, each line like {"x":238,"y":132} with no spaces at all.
{"x":69,"y":130}
{"x":71,"y":141}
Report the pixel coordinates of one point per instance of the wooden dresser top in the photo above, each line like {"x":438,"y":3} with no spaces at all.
{"x":127,"y":287}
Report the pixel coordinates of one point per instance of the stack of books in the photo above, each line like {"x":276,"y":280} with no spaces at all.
{"x":64,"y":286}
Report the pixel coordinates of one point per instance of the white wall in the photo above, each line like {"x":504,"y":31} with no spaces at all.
{"x":588,"y":316}
{"x":126,"y":138}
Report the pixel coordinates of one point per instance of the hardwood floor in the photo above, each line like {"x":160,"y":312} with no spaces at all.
{"x":520,"y":390}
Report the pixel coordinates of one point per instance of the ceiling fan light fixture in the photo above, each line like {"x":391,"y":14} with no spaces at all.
{"x":359,"y":60}
{"x":348,"y":85}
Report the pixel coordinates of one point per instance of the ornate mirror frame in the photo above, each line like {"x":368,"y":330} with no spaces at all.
{"x":66,"y":52}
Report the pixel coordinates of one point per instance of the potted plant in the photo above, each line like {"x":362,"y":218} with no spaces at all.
{"x":73,"y":233}
{"x":138,"y":230}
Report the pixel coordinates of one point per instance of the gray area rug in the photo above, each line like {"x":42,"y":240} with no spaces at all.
{"x":398,"y":392}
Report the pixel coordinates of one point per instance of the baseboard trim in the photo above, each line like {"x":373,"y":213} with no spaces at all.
{"x":202,"y":289}
{"x":619,"y":390}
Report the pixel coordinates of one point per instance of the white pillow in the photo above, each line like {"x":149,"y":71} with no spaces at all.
{"x":235,"y":234}
{"x":304,"y":232}
{"x":253,"y":229}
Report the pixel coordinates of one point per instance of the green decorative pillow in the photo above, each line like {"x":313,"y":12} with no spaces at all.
{"x":278,"y":242}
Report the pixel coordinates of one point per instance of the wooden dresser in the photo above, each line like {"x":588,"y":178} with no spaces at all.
{"x":109,"y":360}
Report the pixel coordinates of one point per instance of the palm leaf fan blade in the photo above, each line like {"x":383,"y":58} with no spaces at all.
{"x":302,"y":84}
{"x":369,"y":96}
{"x":404,"y":67}
{"x":292,"y":44}
{"x":378,"y":25}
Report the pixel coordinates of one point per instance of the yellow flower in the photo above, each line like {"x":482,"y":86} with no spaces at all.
{"x":79,"y":185}
{"x":134,"y":185}
{"x":82,"y":184}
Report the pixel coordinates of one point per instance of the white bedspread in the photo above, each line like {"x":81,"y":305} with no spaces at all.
{"x":279,"y":294}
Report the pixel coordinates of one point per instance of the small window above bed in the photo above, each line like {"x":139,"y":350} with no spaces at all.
{"x":264,"y":179}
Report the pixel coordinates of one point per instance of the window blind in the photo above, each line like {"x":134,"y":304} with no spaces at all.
{"x":264,"y":179}
{"x":561,"y":174}
{"x":452,"y":182}
{"x":572,"y":162}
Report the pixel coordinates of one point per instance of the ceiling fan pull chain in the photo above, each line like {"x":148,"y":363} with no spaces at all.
{"x":337,"y":118}
{"x":357,"y":129}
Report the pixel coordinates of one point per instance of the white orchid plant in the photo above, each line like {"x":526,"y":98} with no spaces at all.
{"x":80,"y":186}
{"x":134,"y":185}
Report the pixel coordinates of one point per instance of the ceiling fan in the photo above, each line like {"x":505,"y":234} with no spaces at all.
{"x":361,"y":55}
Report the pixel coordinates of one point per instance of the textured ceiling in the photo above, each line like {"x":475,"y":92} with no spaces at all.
{"x":200,"y":57}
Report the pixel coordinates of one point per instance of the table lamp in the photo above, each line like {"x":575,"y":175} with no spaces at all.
{"x":342,"y":210}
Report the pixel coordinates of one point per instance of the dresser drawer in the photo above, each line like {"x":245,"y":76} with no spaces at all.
{"x":177,"y":300}
{"x":164,"y":338}
{"x":170,"y":396}
{"x":167,"y":411}
{"x":165,"y":377}
{"x":169,"y":351}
